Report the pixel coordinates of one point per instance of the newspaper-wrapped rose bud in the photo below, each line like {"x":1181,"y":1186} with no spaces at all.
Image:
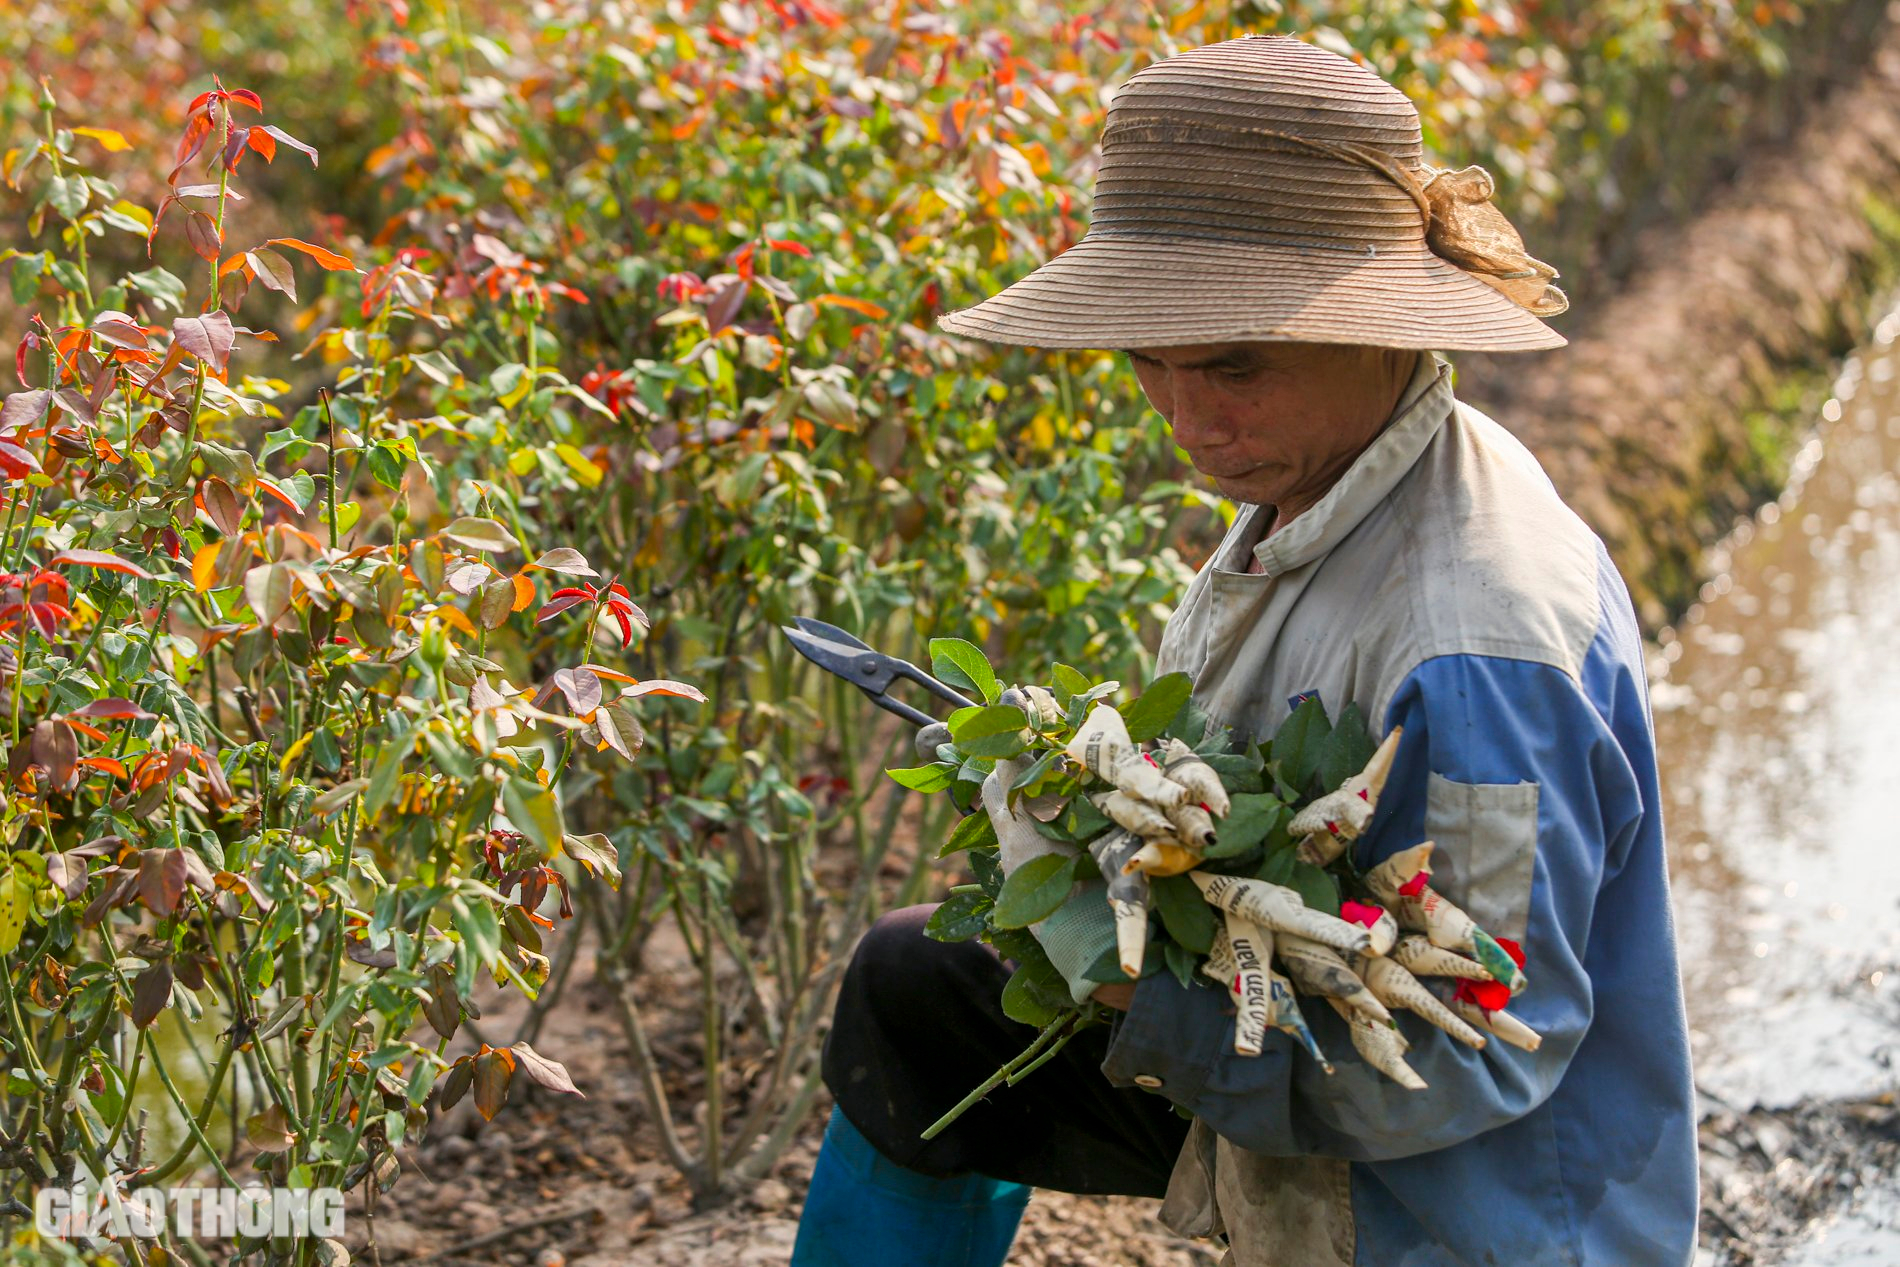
{"x":1381,"y":1044}
{"x":1137,"y":816}
{"x":1127,"y":896}
{"x":1219,"y":964}
{"x":1316,"y":968}
{"x":1501,"y":1023}
{"x":1335,"y":820}
{"x":1402,"y":883}
{"x":1102,"y":747}
{"x":1416,"y":954}
{"x":1376,"y":920}
{"x":1252,"y":987}
{"x":1288,"y":1019}
{"x":1183,"y":765}
{"x":1393,"y":986}
{"x":1193,"y":826}
{"x":1282,"y":1011}
{"x":1164,"y":858}
{"x":1279,"y":908}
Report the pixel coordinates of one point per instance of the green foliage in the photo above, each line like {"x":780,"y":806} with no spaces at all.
{"x":1033,"y":891}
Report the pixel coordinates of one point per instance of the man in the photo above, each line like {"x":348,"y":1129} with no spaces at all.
{"x":1269,"y":249}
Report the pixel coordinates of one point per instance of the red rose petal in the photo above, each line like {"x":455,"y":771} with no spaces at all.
{"x":1416,"y":885}
{"x":1492,"y":996}
{"x":1363,"y":913}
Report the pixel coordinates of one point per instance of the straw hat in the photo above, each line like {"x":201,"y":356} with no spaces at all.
{"x":1265,"y":189}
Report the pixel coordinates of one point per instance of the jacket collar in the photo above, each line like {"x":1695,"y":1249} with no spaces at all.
{"x":1421,"y":410}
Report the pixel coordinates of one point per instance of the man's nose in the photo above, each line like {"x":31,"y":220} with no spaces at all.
{"x":1198,"y":419}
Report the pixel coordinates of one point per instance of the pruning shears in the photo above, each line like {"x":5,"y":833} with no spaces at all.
{"x":835,"y":651}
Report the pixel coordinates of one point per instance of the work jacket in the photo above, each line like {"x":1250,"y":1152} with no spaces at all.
{"x":1442,"y":586}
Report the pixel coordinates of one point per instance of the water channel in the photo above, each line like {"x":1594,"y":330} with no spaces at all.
{"x":1777,"y":702}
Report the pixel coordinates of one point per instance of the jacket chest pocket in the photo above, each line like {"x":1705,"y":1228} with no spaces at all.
{"x":1486,"y":858}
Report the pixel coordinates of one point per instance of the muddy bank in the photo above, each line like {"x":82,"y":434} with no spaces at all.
{"x":1683,"y":395}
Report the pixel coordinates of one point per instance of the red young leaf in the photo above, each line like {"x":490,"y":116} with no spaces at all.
{"x":329,"y":259}
{"x":25,"y":409}
{"x":201,"y":231}
{"x":291,"y":141}
{"x":665,"y":686}
{"x":98,"y":559}
{"x":162,"y":877}
{"x":556,"y":606}
{"x":580,"y":688}
{"x":209,"y":338}
{"x":245,"y":97}
{"x":723,"y":306}
{"x":234,"y":147}
{"x":16,"y":462}
{"x":151,"y":993}
{"x":549,"y":1073}
{"x":493,"y":1070}
{"x":112,"y":709}
{"x":264,"y":143}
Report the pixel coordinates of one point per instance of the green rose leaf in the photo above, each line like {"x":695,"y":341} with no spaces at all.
{"x":1032,"y":892}
{"x":1254,"y":814}
{"x":1239,"y":771}
{"x":1149,"y":715}
{"x":961,"y":663}
{"x":959,"y":917}
{"x":1184,"y":912}
{"x":1027,"y":998}
{"x":1345,"y":751}
{"x":1181,"y":961}
{"x":1107,"y":968}
{"x":995,"y":731}
{"x":1068,"y":683}
{"x":925,"y":778}
{"x":1316,"y":888}
{"x":533,"y":811}
{"x":1297,"y":744}
{"x":974,"y":831}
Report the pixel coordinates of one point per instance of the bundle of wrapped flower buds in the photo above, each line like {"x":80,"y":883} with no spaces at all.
{"x":1243,"y":854}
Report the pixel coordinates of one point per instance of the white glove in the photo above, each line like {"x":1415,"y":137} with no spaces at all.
{"x":1017,"y":838}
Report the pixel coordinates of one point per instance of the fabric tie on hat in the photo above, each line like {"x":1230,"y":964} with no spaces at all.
{"x":1467,"y":230}
{"x":1461,"y":224}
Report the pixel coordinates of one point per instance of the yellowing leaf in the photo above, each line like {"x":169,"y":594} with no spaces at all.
{"x":293,"y":752}
{"x":456,"y":617}
{"x":14,"y":901}
{"x":204,"y":566}
{"x":111,"y":141}
{"x":584,"y":470}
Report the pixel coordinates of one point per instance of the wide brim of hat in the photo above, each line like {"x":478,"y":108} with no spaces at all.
{"x":1140,"y":291}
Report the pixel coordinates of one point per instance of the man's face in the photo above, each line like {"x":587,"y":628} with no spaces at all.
{"x":1273,"y":423}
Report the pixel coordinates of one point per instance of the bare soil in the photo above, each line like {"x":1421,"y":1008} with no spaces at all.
{"x":556,"y":1180}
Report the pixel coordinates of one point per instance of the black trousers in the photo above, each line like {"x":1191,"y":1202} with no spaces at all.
{"x":920,"y":1023}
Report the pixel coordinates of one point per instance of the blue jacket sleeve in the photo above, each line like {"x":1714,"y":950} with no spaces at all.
{"x":1480,"y":724}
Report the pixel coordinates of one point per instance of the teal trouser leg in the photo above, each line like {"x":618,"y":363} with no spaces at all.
{"x":865,"y":1211}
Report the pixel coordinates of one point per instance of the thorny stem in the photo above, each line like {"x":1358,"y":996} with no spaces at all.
{"x":52,"y":153}
{"x":323,"y":398}
{"x":1058,"y":1031}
